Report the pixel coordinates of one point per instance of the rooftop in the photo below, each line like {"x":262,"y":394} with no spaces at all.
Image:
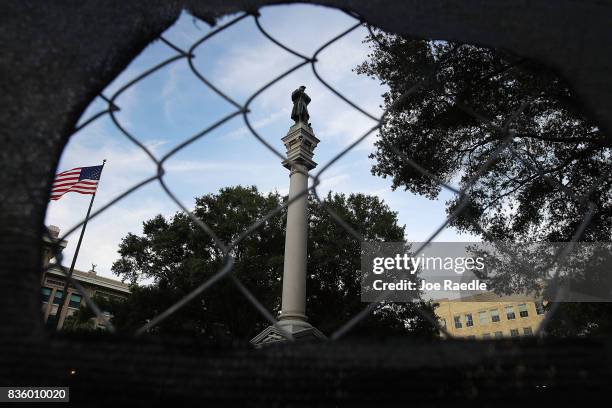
{"x":91,"y":278}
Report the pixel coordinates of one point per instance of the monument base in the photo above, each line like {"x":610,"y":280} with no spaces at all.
{"x":299,"y":329}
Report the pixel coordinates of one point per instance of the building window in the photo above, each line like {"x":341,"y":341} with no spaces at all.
{"x":494,"y":316}
{"x":483,"y":318}
{"x":510,"y":313}
{"x":486,"y":335}
{"x":75,"y":300}
{"x":514,"y":332}
{"x":499,"y":335}
{"x":471,"y":337}
{"x":527,"y":331}
{"x":539,"y":307}
{"x":45,"y":294}
{"x":468,"y":320}
{"x":523,"y":310}
{"x":457,"y":322}
{"x":57,"y":299}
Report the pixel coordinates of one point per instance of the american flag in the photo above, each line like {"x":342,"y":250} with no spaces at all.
{"x":82,"y":180}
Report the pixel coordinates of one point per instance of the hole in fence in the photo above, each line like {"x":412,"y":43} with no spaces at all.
{"x":174,"y":127}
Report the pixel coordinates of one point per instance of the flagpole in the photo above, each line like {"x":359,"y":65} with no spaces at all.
{"x":65,"y":299}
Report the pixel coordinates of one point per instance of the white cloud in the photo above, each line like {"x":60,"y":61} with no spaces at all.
{"x":103,"y":233}
{"x":243,"y":131}
{"x":126,"y":166}
{"x":333,"y":183}
{"x":169,"y":92}
{"x":239,"y":61}
{"x":245,"y":67}
{"x":187,"y":166}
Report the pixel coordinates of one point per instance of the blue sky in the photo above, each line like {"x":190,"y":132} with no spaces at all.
{"x":172,"y":105}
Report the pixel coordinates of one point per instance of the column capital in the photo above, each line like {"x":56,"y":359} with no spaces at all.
{"x":297,"y":167}
{"x":300,"y":142}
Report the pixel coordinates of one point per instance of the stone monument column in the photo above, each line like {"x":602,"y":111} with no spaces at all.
{"x":294,"y":270}
{"x":300,"y":142}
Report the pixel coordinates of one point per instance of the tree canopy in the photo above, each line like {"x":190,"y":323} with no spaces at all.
{"x":436,"y":127}
{"x":176,"y":256}
{"x":469,"y":100}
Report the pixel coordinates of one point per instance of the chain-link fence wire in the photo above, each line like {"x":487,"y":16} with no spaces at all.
{"x":503,"y":147}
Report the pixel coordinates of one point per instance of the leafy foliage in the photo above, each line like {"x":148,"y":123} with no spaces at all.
{"x":436,"y":128}
{"x":177,"y":256}
{"x":468,"y":99}
{"x":83,"y":319}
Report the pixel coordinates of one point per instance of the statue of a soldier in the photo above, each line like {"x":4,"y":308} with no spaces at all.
{"x":299,"y":113}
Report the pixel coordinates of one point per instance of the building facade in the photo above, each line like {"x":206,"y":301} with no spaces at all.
{"x":52,"y":288}
{"x":53,"y":281}
{"x":486,"y":316}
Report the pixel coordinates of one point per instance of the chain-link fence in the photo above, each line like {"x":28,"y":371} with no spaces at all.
{"x":505,"y":146}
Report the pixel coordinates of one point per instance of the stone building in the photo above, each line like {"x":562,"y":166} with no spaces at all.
{"x":53,"y":281}
{"x":485,"y":316}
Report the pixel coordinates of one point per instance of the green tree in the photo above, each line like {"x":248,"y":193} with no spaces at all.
{"x":433,"y":127}
{"x":83,"y":319}
{"x":436,"y":128}
{"x":581,"y":319}
{"x":177,"y":255}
